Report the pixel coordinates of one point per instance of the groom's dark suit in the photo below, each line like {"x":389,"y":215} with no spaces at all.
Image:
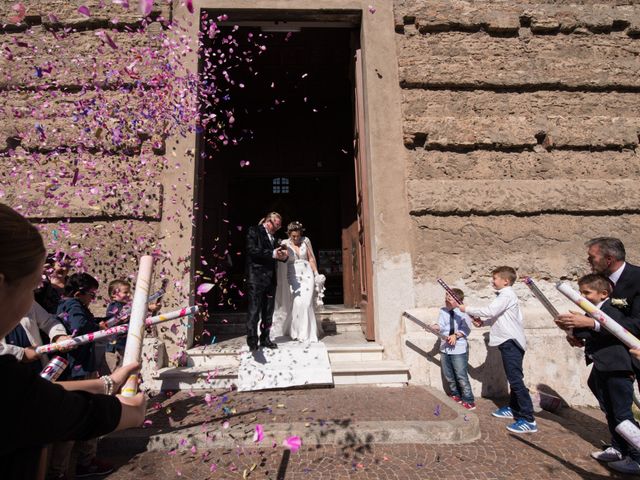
{"x":261,"y":284}
{"x":627,"y":292}
{"x":626,"y":297}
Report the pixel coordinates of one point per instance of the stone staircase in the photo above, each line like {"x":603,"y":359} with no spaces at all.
{"x":354,"y":361}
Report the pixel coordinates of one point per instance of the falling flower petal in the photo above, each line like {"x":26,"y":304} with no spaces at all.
{"x":204,"y":288}
{"x":145,"y":7}
{"x":84,"y":10}
{"x":292,"y":443}
{"x":20,"y":10}
{"x":189,"y":5}
{"x":258,"y":435}
{"x":372,"y":9}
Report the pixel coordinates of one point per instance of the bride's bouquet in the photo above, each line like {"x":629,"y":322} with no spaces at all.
{"x":319,"y":280}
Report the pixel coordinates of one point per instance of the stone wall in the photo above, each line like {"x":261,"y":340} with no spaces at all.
{"x":98,"y":190}
{"x":521,"y":128}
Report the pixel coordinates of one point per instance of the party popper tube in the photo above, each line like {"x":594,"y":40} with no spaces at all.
{"x":630,"y":432}
{"x":133,"y":347}
{"x":117,"y":330}
{"x":541,"y":297}
{"x":81,"y":340}
{"x":453,"y":295}
{"x":422,"y":324}
{"x":165,"y":317}
{"x":599,"y":316}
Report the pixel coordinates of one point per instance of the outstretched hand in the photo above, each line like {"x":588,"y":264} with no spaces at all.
{"x":573,"y":319}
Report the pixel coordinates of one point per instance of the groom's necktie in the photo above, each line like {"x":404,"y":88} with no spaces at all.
{"x":452,"y":326}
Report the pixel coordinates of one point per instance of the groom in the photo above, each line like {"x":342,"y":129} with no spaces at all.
{"x":262,"y":253}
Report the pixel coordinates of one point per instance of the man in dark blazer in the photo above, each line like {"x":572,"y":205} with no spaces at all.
{"x":606,"y":255}
{"x":262,"y":255}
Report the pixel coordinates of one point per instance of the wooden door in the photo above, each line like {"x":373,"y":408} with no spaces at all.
{"x":364,"y":266}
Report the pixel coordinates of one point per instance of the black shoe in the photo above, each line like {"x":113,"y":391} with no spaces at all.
{"x":253,"y":347}
{"x":268,"y":344}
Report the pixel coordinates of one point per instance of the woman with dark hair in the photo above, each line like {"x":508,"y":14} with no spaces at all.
{"x":35,"y":411}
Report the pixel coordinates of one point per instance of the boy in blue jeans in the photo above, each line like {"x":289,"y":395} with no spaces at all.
{"x":454,"y":350}
{"x":507,"y":333}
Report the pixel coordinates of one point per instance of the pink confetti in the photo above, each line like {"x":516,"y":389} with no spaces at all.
{"x":204,"y":288}
{"x":372,"y":9}
{"x":21,"y":12}
{"x":292,"y":443}
{"x":145,"y":7}
{"x":213,"y":467}
{"x":225,"y":424}
{"x":84,"y":10}
{"x":147,"y":423}
{"x":258,"y":435}
{"x":189,"y":5}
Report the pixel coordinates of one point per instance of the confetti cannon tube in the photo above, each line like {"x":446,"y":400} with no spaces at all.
{"x":449,"y":291}
{"x":81,"y":339}
{"x":599,"y":316}
{"x":453,"y":295}
{"x":133,"y":348}
{"x":117,"y":330}
{"x":54,"y":369}
{"x":541,"y":297}
{"x":165,"y":317}
{"x":420,"y":323}
{"x":630,"y":432}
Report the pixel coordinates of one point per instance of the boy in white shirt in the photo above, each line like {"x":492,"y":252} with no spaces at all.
{"x":507,"y":333}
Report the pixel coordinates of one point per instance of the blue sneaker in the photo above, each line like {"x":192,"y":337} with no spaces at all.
{"x":503,"y":412}
{"x":522,"y":426}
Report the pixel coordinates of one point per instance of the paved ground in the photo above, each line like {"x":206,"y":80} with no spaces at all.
{"x":559,"y":451}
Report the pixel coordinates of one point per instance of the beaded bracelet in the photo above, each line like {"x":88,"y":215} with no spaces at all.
{"x":108,"y":384}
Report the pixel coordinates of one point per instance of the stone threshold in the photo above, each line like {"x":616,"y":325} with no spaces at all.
{"x":464,"y":428}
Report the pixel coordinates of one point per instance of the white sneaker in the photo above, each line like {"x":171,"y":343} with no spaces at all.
{"x":608,"y":455}
{"x":626,"y":465}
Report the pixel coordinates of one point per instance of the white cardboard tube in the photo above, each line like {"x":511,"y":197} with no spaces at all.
{"x":133,"y":348}
{"x":599,"y":316}
{"x":117,"y":330}
{"x":630,"y":432}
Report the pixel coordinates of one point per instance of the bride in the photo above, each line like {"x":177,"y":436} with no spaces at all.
{"x":294,"y":315}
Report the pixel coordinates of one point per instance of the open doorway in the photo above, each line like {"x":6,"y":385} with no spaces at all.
{"x":294,"y":114}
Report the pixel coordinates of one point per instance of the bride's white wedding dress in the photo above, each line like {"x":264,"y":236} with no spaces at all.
{"x":294,"y":315}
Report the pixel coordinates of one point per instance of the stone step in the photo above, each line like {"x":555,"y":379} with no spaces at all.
{"x":381,"y":372}
{"x":227,"y":353}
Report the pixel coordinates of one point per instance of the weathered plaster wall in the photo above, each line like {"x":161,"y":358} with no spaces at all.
{"x":521,"y":131}
{"x":111,"y":213}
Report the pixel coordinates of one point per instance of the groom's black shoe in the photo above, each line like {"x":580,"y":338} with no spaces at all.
{"x":253,"y":347}
{"x":268,"y":344}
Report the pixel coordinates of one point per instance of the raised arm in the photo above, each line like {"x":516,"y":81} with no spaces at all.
{"x":493,"y":310}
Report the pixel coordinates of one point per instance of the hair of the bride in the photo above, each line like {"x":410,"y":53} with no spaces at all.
{"x":295,"y":227}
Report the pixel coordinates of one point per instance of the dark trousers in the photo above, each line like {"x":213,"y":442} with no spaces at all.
{"x":520,"y":400}
{"x":614,"y":391}
{"x":261,"y":303}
